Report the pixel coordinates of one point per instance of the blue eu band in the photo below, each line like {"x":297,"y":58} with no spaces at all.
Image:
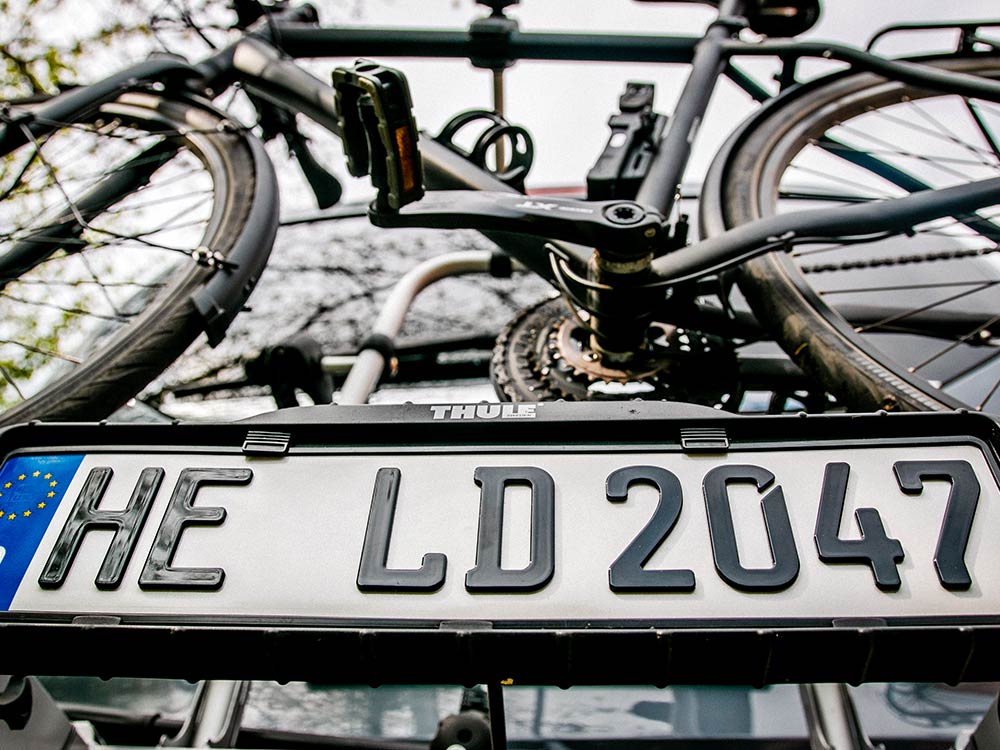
{"x":31,"y":488}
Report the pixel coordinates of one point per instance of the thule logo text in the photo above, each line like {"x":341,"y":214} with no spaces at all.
{"x":484,"y":411}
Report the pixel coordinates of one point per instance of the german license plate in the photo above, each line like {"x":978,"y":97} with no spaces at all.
{"x":400,"y":520}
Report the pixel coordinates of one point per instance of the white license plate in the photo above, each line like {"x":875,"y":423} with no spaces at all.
{"x":525,"y":536}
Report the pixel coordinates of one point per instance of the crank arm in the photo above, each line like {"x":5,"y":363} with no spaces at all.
{"x":624,"y":228}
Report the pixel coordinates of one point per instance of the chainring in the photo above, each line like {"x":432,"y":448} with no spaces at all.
{"x":544,"y":354}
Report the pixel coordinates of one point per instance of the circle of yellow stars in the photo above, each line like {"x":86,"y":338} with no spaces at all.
{"x":10,"y":516}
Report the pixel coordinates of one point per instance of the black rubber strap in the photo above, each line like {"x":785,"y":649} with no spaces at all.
{"x":380,"y":343}
{"x":501,"y":266}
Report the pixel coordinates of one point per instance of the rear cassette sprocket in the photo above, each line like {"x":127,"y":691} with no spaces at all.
{"x":544,"y":354}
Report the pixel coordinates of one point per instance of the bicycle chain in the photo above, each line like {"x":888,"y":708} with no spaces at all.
{"x":899,"y":261}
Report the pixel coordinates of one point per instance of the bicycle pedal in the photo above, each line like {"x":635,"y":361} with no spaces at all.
{"x":379,"y":132}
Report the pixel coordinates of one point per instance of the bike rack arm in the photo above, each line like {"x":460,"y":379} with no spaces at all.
{"x":306,"y":40}
{"x":899,"y":70}
{"x":370,"y":363}
{"x":278,"y":79}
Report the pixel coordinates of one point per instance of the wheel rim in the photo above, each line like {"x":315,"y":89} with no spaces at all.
{"x":909,"y":287}
{"x":77,"y":298}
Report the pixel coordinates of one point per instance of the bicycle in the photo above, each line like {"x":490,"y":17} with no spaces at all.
{"x":647,"y":310}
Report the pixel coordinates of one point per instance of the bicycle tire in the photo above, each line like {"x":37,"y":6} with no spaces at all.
{"x":212,"y":277}
{"x":744,"y":183}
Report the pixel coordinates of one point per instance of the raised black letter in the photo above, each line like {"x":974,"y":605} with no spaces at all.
{"x":723,"y":535}
{"x":127,"y":524}
{"x":158,"y":573}
{"x":627,"y":572}
{"x":949,"y":557}
{"x":488,"y":576}
{"x":373,"y":575}
{"x":874,"y":548}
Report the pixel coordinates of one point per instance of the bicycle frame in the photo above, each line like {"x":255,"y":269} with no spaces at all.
{"x":709,"y":57}
{"x":264,"y":62}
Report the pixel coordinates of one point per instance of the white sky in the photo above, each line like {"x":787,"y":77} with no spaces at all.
{"x":565,"y":106}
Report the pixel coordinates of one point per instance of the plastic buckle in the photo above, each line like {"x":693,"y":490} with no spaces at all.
{"x":375,"y":114}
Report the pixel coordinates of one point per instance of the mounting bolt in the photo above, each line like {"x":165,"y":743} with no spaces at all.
{"x":624,"y":214}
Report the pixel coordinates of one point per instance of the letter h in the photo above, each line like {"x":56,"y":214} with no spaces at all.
{"x":127,"y":524}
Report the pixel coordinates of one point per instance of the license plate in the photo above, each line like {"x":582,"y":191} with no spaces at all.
{"x":431,"y":520}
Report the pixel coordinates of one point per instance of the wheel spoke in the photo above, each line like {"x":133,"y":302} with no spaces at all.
{"x":888,"y":149}
{"x":46,"y":352}
{"x":992,"y":392}
{"x":920,"y":319}
{"x":119,"y":317}
{"x":956,"y":343}
{"x":11,"y":382}
{"x":950,"y":135}
{"x":18,"y":179}
{"x":901,"y":287}
{"x":937,"y":132}
{"x":863,"y":189}
{"x":988,"y":135}
{"x":157,"y":202}
{"x":938,"y":303}
{"x":104,"y":291}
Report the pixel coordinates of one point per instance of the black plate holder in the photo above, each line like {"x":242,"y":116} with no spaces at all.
{"x":468,"y":652}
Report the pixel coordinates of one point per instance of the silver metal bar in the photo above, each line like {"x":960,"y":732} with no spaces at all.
{"x":832,"y":718}
{"x":215,"y":717}
{"x":368,"y":367}
{"x":338,"y":364}
{"x":498,"y":107}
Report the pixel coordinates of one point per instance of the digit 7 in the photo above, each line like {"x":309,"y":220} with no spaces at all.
{"x":963,"y":497}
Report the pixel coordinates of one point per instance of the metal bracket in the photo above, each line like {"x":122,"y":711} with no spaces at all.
{"x":264,"y":443}
{"x":214,"y":720}
{"x":704,"y":439}
{"x":833,"y":719}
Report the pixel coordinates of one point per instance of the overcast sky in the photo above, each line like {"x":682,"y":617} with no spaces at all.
{"x":566,"y":105}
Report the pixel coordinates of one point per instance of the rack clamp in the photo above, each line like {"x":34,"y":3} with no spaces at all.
{"x":375,"y":114}
{"x":635,"y":134}
{"x":490,"y":37}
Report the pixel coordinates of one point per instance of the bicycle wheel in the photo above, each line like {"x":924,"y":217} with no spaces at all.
{"x":123,"y":235}
{"x":905,"y":322}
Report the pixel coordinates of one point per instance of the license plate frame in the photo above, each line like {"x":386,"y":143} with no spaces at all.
{"x":558,"y":652}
